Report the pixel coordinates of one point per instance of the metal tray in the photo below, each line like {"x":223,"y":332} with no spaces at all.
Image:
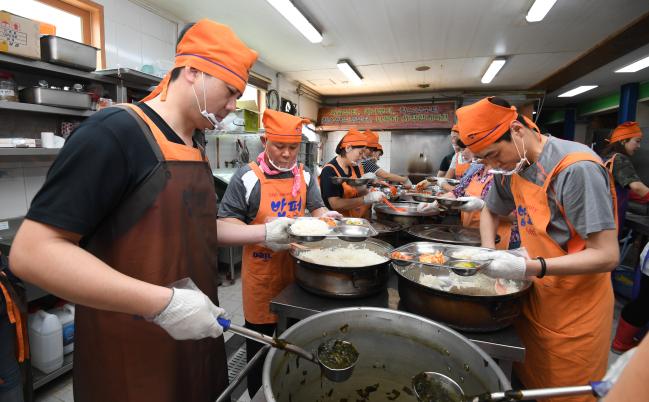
{"x":55,"y":97}
{"x":348,"y":229}
{"x":452,"y":234}
{"x":412,"y":254}
{"x":57,"y":50}
{"x":408,"y":209}
{"x":448,"y":202}
{"x":352,"y":181}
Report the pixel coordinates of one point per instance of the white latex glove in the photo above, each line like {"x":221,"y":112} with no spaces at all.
{"x":472,"y":204}
{"x":190,"y":314}
{"x":505,"y":265}
{"x":332,"y":215}
{"x":408,"y":183}
{"x":441,"y":181}
{"x":369,"y":175}
{"x":373,"y":197}
{"x":276,"y":229}
{"x":277,"y":246}
{"x":428,"y":207}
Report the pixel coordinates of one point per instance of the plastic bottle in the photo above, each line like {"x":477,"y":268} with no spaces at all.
{"x":45,"y":341}
{"x":65,"y":315}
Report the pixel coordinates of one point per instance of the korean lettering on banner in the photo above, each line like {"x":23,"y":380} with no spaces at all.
{"x":386,"y":117}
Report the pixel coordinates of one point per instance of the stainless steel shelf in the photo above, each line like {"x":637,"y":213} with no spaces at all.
{"x":29,"y":151}
{"x":41,"y":378}
{"x":30,"y":107}
{"x":50,"y":69}
{"x":131,"y":76}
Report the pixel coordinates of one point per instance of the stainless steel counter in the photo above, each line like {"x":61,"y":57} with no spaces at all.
{"x":295,"y":303}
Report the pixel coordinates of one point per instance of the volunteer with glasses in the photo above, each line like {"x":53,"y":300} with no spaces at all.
{"x":349,"y":201}
{"x":565,"y":202}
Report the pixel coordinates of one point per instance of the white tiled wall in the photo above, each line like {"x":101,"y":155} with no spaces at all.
{"x":19,"y":182}
{"x":333,"y":138}
{"x":136,"y":36}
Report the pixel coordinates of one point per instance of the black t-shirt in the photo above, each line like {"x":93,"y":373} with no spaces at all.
{"x":446,"y":162}
{"x":327,"y":187}
{"x":102,"y":162}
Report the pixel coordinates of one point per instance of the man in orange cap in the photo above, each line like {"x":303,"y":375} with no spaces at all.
{"x":349,"y":200}
{"x":372,"y":155}
{"x":565,"y":203}
{"x":275,"y":185}
{"x":118,"y":244}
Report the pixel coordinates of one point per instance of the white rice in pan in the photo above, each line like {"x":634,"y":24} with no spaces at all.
{"x":344,"y":257}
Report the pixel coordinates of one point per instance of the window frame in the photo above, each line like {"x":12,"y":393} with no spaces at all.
{"x":92,"y":23}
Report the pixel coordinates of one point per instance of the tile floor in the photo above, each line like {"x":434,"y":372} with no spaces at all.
{"x":60,"y":390}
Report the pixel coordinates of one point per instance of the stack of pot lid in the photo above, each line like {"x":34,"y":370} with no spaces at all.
{"x":446,"y":234}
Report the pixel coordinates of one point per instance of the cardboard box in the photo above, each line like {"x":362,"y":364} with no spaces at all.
{"x":249,"y":112}
{"x":19,"y":36}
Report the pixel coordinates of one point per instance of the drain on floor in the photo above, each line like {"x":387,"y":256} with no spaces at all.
{"x":236,"y":363}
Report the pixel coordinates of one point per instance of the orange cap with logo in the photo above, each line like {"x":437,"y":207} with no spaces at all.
{"x":283,"y":127}
{"x":483,"y":123}
{"x":372,"y":139}
{"x":214,"y":49}
{"x":354,"y":138}
{"x":626,"y":130}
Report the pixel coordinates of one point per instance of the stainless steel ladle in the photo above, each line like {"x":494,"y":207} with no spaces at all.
{"x":332,"y":374}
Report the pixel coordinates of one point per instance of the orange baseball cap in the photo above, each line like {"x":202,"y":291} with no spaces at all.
{"x":626,"y":130}
{"x":354,"y":138}
{"x":372,"y":139}
{"x":214,"y":49}
{"x":283,"y":127}
{"x":483,"y":123}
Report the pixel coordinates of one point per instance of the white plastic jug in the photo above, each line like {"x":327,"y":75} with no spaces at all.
{"x":45,"y":341}
{"x":65,"y":315}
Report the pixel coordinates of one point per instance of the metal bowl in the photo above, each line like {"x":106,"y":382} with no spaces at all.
{"x":353,"y":233}
{"x":393,"y":347}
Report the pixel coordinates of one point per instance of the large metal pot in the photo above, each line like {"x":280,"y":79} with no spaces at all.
{"x":343,"y":282}
{"x":393,"y":347}
{"x":389,"y":231}
{"x":407,"y":218}
{"x":465,"y":312}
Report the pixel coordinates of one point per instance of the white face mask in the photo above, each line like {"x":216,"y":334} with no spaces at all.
{"x":281,"y":169}
{"x":519,"y":166}
{"x":209,"y":116}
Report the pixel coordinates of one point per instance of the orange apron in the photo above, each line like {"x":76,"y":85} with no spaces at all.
{"x":266,"y":272}
{"x":350,"y":192}
{"x":162,"y":232}
{"x":16,"y":317}
{"x":472,"y":219}
{"x":460,"y":168}
{"x":566,"y":322}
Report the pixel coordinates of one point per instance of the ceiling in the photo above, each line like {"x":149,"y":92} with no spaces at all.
{"x":387,"y":39}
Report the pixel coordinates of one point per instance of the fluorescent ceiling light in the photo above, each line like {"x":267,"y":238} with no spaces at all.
{"x":350,"y":71}
{"x":539,"y":9}
{"x":636,"y":66}
{"x":493,"y":69}
{"x":297,"y":19}
{"x":577,"y":91}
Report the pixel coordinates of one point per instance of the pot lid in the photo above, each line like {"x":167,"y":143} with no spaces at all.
{"x":447,"y":234}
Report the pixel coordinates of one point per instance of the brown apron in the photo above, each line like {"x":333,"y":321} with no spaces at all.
{"x":164,"y":231}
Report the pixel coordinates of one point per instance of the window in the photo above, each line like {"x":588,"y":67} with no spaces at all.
{"x":77,"y":20}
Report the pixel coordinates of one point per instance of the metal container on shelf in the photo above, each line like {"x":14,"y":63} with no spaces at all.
{"x":56,"y":97}
{"x":393,"y":347}
{"x":342,"y":282}
{"x":57,"y":50}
